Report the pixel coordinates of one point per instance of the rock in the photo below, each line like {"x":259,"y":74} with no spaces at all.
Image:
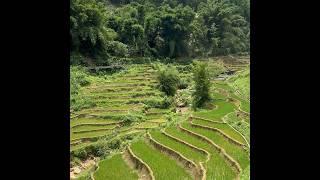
{"x":76,"y":170}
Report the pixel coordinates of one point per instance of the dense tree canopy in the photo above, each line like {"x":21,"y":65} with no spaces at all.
{"x":102,"y":29}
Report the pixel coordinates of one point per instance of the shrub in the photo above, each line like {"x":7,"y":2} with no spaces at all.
{"x":116,"y":48}
{"x":168,"y":79}
{"x":158,"y":102}
{"x":155,"y":102}
{"x":182,"y":83}
{"x":131,"y":118}
{"x":78,"y":77}
{"x":98,"y":149}
{"x":166,"y":102}
{"x":202,"y":84}
{"x":76,"y":59}
{"x":80,"y":153}
{"x":114,"y":144}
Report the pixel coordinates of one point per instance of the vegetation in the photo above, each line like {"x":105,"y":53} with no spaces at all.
{"x":217,"y":167}
{"x":168,"y":79}
{"x":162,"y":166}
{"x":104,"y":32}
{"x":127,"y":104}
{"x":202,"y":85}
{"x":114,"y":168}
{"x":179,"y":147}
{"x":159,"y":58}
{"x":223,"y":127}
{"x":236,"y":152}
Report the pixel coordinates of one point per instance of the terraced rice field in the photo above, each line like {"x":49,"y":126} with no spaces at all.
{"x":115,"y":98}
{"x":235,"y":151}
{"x":223,"y":108}
{"x":127,"y":92}
{"x":217,"y":167}
{"x":114,"y":169}
{"x":223,"y":127}
{"x":185,"y":150}
{"x":163,"y":167}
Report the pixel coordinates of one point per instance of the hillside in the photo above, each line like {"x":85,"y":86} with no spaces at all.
{"x":130,"y":124}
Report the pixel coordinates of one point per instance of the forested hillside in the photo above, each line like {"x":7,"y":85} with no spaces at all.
{"x":106,"y":31}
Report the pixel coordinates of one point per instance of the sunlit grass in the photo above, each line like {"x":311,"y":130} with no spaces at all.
{"x":223,"y":127}
{"x":114,"y":169}
{"x":163,"y":167}
{"x":217,"y":167}
{"x":235,"y":151}
{"x":185,"y":150}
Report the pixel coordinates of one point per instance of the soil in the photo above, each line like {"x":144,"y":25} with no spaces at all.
{"x":182,"y":110}
{"x":74,"y":171}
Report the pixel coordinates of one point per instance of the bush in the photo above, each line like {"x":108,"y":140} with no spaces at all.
{"x":76,"y":59}
{"x":78,"y":77}
{"x":166,"y":102}
{"x":168,"y":79}
{"x":80,"y":153}
{"x":98,"y":149}
{"x":202,"y":85}
{"x":158,"y":102}
{"x":155,"y":102}
{"x":115,"y":144}
{"x":116,"y":48}
{"x":131,"y":118}
{"x":182,"y":83}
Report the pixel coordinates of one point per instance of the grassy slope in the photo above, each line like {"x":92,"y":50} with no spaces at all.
{"x":217,"y":167}
{"x":163,"y":167}
{"x":223,"y":109}
{"x":114,"y":169}
{"x":224,"y":127}
{"x":185,"y":150}
{"x":240,"y":155}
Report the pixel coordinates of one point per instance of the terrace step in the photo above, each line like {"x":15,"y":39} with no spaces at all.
{"x":237,"y":154}
{"x":216,"y":166}
{"x":163,"y":167}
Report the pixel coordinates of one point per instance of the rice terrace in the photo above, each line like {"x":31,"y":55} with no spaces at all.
{"x":160,"y":90}
{"x":148,"y":139}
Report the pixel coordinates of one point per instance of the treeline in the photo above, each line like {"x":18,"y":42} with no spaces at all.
{"x":104,"y":29}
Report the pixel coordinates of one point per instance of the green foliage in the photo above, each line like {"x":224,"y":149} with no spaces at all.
{"x":159,"y":162}
{"x":131,"y":118}
{"x":168,"y":78}
{"x":158,"y":28}
{"x":114,"y":168}
{"x":182,"y":83}
{"x":78,"y":78}
{"x":158,"y":102}
{"x":80,"y":153}
{"x":202,"y":85}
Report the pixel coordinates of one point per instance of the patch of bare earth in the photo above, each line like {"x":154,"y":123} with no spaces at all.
{"x":74,"y":171}
{"x":182,"y":110}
